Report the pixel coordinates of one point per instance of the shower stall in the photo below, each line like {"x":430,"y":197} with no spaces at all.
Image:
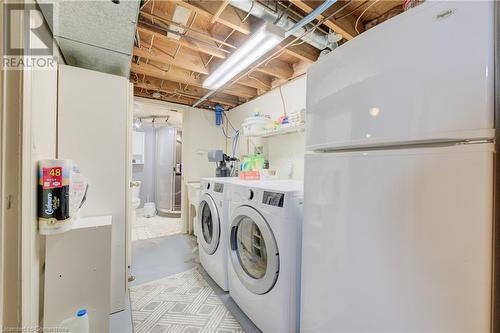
{"x":168,"y":167}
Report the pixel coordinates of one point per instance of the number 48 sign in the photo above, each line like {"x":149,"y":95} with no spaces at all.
{"x":52,"y":178}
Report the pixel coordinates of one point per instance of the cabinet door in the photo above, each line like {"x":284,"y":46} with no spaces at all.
{"x":138,"y":144}
{"x":398,"y":240}
{"x":92,"y":131}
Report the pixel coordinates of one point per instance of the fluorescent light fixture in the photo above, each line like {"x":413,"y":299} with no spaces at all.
{"x":262,"y":41}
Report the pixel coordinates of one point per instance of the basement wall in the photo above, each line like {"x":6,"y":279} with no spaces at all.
{"x":285,"y":152}
{"x":199,"y":135}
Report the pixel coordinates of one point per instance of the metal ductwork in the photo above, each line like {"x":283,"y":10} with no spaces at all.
{"x":315,"y":38}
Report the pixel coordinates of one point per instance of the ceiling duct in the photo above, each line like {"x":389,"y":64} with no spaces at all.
{"x":315,"y":38}
{"x":96,"y":35}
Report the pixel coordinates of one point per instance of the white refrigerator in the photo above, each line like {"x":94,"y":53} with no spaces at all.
{"x":398,"y":210}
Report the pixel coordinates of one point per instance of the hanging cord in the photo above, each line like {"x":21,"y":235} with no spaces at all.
{"x":282,"y":101}
{"x":235,"y":136}
{"x":363,"y":13}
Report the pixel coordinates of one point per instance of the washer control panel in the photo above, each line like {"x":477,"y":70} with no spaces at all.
{"x":273,"y":198}
{"x":218,"y":187}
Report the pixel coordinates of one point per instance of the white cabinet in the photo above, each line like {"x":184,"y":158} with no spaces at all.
{"x":138,"y":148}
{"x":92,"y":130}
{"x":76,"y":267}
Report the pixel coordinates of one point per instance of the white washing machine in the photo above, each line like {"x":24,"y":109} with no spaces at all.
{"x":212,"y":228}
{"x":265,"y":252}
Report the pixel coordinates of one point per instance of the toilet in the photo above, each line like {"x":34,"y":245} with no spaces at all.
{"x":136,"y":190}
{"x":149,"y":209}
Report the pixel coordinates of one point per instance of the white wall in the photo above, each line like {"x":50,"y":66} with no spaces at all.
{"x":199,"y":134}
{"x":282,"y":151}
{"x":144,"y":107}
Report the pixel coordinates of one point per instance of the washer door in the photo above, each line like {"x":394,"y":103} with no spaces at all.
{"x":208,"y":224}
{"x":254,"y":252}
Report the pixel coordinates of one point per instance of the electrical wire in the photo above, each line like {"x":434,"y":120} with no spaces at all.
{"x":352,"y":11}
{"x":283,"y":13}
{"x":228,"y":121}
{"x":282,"y":100}
{"x":234,"y":137}
{"x":364,"y":11}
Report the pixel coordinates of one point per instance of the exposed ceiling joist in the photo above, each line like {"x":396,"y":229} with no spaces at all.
{"x":228,"y":18}
{"x":186,"y":77}
{"x":186,"y":94}
{"x":277,"y":68}
{"x":175,"y":53}
{"x":212,"y":51}
{"x":335,"y":26}
{"x":183,"y":59}
{"x":155,"y":83}
{"x":173,"y":99}
{"x":258,"y":83}
{"x":219,"y":11}
{"x":189,"y":31}
{"x":303,"y":52}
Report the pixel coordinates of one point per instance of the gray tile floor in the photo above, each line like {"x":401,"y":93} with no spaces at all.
{"x":157,"y":258}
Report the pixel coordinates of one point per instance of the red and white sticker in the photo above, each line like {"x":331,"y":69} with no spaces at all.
{"x":52,"y":178}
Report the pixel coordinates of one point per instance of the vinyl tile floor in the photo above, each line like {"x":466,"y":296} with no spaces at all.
{"x":157,"y":258}
{"x":154,"y":227}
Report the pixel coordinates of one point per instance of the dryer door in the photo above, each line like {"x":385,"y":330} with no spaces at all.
{"x":208,"y":224}
{"x":254,"y":252}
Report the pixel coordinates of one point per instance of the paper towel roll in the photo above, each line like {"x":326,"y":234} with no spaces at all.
{"x":54,"y":178}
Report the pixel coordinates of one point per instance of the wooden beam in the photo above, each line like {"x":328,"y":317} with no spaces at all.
{"x":303,"y":52}
{"x":209,"y":8}
{"x":256,"y":80}
{"x":277,"y":68}
{"x":183,"y":59}
{"x":185,"y":94}
{"x":204,"y":35}
{"x":218,"y":53}
{"x":180,"y":75}
{"x":219,"y":11}
{"x":329,"y":23}
{"x":173,"y":74}
{"x":172,"y":99}
{"x":300,"y":68}
{"x":241,"y":91}
{"x":185,"y":89}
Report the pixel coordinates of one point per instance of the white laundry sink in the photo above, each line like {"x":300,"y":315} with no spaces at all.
{"x":194,"y":193}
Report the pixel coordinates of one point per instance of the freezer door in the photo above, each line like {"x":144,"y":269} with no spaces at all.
{"x":411,"y":78}
{"x":398,"y":241}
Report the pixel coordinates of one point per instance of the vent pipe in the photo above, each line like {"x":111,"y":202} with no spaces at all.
{"x":315,"y":38}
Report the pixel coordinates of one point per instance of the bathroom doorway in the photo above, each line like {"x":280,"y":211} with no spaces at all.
{"x":156,"y":171}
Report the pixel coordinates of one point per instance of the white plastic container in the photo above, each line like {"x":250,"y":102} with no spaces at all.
{"x":253,"y":126}
{"x":149,"y":209}
{"x":77,"y":324}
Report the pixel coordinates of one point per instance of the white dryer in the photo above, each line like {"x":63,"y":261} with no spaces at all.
{"x":212,"y":228}
{"x":265,"y":252}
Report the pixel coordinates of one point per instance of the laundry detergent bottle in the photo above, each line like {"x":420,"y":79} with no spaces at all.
{"x":79,"y":323}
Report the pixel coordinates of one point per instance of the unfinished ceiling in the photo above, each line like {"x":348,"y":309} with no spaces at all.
{"x":179,"y":43}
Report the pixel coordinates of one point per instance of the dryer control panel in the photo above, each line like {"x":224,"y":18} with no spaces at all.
{"x":218,"y":187}
{"x":273,"y":198}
